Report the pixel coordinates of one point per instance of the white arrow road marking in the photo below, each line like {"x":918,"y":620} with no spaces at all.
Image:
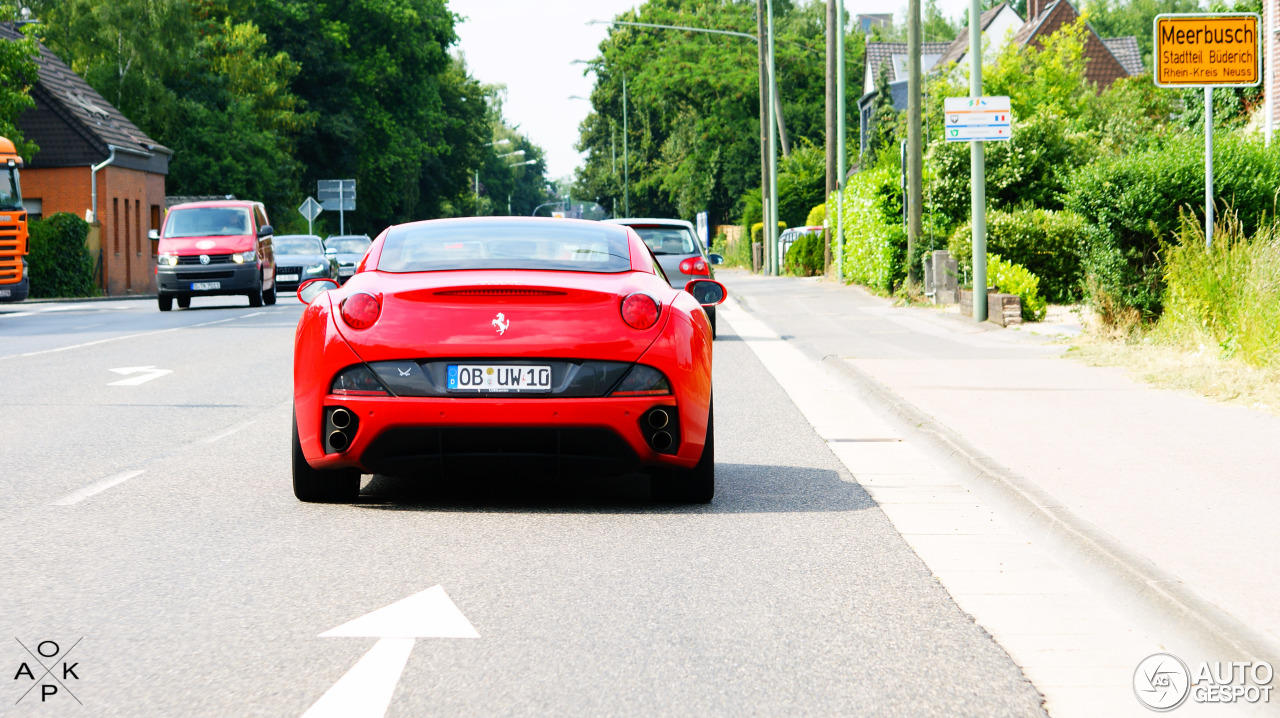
{"x":146,"y":374}
{"x":367,"y":689}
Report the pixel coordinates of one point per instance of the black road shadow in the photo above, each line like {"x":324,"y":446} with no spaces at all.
{"x":740,"y":488}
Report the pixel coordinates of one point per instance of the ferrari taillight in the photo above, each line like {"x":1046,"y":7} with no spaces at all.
{"x":640,"y":311}
{"x":695,"y":265}
{"x":361,"y":310}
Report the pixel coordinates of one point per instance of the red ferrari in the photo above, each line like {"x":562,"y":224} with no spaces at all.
{"x":534,"y":347}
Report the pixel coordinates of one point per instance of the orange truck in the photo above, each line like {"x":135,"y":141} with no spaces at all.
{"x":14,"y":281}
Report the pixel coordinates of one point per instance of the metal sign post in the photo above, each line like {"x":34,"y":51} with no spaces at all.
{"x":1208,"y":50}
{"x":977,"y":119}
{"x":338,"y":195}
{"x":310,"y":209}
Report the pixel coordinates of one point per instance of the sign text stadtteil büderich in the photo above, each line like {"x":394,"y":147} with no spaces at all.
{"x":1207,"y":50}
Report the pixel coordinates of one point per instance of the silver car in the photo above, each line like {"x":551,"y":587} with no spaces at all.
{"x":348,"y":250}
{"x":676,"y":245}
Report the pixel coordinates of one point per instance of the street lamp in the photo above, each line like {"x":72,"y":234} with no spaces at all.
{"x":626,"y":164}
{"x":517,"y":153}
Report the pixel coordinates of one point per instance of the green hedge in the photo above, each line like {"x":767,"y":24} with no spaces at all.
{"x":60,"y":262}
{"x":805,"y":257}
{"x":875,"y":243}
{"x":1130,"y":206}
{"x":1010,"y":278}
{"x":1047,"y":243}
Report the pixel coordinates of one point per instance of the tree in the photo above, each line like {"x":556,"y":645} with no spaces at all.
{"x":18,"y":72}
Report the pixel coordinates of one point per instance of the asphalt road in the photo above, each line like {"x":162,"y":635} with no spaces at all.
{"x":155,"y":524}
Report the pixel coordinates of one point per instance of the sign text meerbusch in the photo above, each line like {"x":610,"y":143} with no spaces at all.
{"x":1207,"y":50}
{"x":1200,"y":50}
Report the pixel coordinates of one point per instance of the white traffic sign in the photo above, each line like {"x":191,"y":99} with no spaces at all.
{"x":367,"y":689}
{"x":979,"y":119}
{"x":310,"y":209}
{"x":145,"y":374}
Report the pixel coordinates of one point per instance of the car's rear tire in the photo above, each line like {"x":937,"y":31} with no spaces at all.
{"x":165,"y":301}
{"x":324,"y":486}
{"x":184,"y":302}
{"x":269,"y":296}
{"x":690,"y":486}
{"x":711,"y":314}
{"x":255,"y":294}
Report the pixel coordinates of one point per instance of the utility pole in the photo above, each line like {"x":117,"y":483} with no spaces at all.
{"x":831,"y":132}
{"x":477,"y":188}
{"x":840,"y":142}
{"x":626,"y":163}
{"x":914,"y":161}
{"x":977,"y":171}
{"x":766,"y":91}
{"x":772,"y":227}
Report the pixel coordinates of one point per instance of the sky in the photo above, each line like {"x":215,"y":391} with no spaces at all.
{"x":529,"y":46}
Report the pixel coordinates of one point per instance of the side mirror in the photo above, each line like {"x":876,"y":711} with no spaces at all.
{"x":153,"y":235}
{"x":330,"y":252}
{"x":266,"y":230}
{"x":708,"y":292}
{"x":716,"y":258}
{"x":313,"y":288}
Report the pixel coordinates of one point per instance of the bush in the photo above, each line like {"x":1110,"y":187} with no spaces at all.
{"x":1010,"y":278}
{"x":1045,"y":242}
{"x":817,"y":216}
{"x":1224,"y":296}
{"x":1130,"y":205}
{"x":875,"y":243}
{"x":806,"y":256}
{"x":60,"y":261}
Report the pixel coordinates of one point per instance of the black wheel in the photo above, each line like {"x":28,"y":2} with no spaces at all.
{"x":184,"y":302}
{"x":325,"y":486}
{"x":165,"y":301}
{"x":690,"y":486}
{"x":269,"y":296}
{"x":255,"y":294}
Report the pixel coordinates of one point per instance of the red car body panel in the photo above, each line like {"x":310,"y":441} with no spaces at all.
{"x":438,"y":315}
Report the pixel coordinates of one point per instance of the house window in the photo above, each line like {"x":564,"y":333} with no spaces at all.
{"x":34,"y":207}
{"x":155,"y":224}
{"x":115,"y":222}
{"x":127,"y":236}
{"x":137,"y":223}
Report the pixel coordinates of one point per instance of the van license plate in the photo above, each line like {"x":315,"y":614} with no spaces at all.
{"x":202,"y":286}
{"x":6,"y":292}
{"x":499,"y":378}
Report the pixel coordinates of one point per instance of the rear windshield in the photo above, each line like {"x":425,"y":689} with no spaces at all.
{"x":297,"y":245}
{"x":569,"y":246}
{"x":208,"y":222}
{"x":667,"y":240}
{"x":348,"y":245}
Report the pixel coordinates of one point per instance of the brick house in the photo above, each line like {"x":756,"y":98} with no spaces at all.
{"x":76,"y":130}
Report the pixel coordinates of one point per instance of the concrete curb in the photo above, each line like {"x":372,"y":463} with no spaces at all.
{"x":1151,"y":596}
{"x":58,"y":300}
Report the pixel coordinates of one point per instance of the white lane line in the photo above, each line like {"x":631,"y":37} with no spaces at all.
{"x":229,"y":432}
{"x":76,"y":497}
{"x":16,"y":314}
{"x":367,"y":688}
{"x":129,"y":336}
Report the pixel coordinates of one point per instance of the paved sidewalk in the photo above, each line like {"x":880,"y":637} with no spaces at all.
{"x":1190,"y":484}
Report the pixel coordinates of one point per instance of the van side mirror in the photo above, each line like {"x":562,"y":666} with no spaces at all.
{"x":708,"y":292}
{"x":313,"y":288}
{"x":153,"y":235}
{"x":266,"y":231}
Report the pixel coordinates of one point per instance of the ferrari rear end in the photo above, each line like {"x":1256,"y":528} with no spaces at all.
{"x":524,"y":347}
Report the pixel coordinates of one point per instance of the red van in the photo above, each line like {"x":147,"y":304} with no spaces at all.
{"x":215,"y":248}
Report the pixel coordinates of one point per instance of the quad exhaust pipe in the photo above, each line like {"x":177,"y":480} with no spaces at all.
{"x":660,"y":441}
{"x":659,"y":418}
{"x":340,"y":429}
{"x":661,"y":427}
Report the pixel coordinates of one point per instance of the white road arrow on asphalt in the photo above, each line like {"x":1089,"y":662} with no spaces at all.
{"x":367,"y":688}
{"x":145,"y":374}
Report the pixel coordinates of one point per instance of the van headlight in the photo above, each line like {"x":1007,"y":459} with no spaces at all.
{"x":168,"y":260}
{"x":248,"y":256}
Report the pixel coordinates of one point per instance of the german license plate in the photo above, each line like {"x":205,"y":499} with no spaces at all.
{"x":201,"y":286}
{"x":6,"y":292}
{"x":287,"y":277}
{"x":346,"y":271}
{"x":499,"y":378}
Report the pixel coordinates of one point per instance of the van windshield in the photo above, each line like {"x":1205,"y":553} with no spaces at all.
{"x":208,"y":222}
